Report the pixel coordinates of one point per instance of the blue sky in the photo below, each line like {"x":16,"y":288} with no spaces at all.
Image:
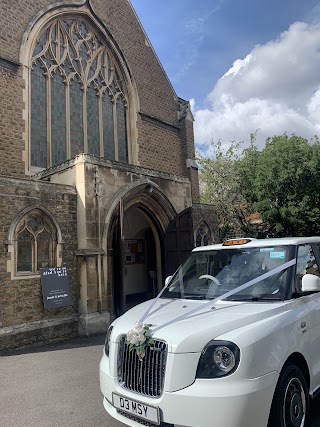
{"x":211,"y":49}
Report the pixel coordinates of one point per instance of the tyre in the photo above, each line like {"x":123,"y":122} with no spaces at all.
{"x":291,"y":401}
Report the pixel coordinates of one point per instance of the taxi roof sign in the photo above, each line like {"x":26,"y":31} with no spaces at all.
{"x":235,"y":242}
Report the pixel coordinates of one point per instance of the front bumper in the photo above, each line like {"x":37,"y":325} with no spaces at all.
{"x":231,"y":401}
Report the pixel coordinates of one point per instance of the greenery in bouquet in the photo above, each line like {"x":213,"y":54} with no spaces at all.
{"x":139,"y":338}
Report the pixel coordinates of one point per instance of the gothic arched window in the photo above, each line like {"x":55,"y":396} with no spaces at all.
{"x":203,"y":235}
{"x":77,"y":99}
{"x":36,"y":243}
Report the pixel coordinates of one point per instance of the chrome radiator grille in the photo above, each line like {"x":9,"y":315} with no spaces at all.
{"x":146,"y":376}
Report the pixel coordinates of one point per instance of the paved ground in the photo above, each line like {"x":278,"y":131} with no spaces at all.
{"x":58,"y":386}
{"x":53,"y":386}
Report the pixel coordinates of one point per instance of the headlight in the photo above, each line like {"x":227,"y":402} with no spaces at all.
{"x":218,"y":359}
{"x":107,"y":341}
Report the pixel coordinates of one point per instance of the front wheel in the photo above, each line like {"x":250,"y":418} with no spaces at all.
{"x":291,"y":402}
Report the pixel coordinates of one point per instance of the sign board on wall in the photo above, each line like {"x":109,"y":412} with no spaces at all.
{"x":55,"y":287}
{"x":134,"y":251}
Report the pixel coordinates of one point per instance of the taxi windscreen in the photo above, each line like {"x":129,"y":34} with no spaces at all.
{"x":209,"y":274}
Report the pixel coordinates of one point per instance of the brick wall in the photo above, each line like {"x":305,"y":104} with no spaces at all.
{"x":156,"y":95}
{"x":161,"y":149}
{"x":21,"y":299}
{"x":11,"y":123}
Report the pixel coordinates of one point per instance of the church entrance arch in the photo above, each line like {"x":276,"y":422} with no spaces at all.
{"x":136,"y":246}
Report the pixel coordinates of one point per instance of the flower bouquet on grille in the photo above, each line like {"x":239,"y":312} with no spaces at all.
{"x":139,"y":338}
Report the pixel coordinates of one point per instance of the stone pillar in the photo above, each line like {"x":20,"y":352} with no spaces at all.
{"x":187,"y":135}
{"x":93,"y":317}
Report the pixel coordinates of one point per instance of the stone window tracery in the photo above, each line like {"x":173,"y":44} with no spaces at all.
{"x":36,"y":242}
{"x":78,"y":103}
{"x":203,"y":235}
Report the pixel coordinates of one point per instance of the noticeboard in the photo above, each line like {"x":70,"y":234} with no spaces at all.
{"x":135,"y":251}
{"x":55,"y":287}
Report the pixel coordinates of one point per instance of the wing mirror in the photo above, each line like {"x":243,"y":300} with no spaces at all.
{"x":310,"y":283}
{"x":167,"y":281}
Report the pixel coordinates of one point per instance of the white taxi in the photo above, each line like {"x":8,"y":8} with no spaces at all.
{"x":232,"y":340}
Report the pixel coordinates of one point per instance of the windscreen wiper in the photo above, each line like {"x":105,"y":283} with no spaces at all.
{"x":256,"y":298}
{"x":188,"y":296}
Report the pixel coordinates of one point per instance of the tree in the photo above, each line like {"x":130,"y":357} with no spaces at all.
{"x":221,"y":186}
{"x":280,"y":184}
{"x":286,"y":185}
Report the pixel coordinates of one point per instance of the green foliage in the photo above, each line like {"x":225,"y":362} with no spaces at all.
{"x":281,"y":183}
{"x":221,"y":187}
{"x":287,"y":185}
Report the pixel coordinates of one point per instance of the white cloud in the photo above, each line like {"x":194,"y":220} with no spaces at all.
{"x":273,"y":89}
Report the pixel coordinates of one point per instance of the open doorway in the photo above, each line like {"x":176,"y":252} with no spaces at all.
{"x":137,"y":261}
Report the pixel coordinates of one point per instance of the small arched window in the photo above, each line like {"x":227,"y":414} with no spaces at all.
{"x":36,"y":243}
{"x":78,"y":102}
{"x":203,"y":235}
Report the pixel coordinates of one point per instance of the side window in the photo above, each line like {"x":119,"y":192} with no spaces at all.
{"x":35,"y":243}
{"x":306,"y":263}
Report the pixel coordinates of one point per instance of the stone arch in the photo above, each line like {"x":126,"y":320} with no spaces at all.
{"x":150,"y":195}
{"x":143,"y":199}
{"x":83,"y":11}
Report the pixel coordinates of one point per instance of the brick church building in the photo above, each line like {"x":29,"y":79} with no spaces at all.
{"x":97,"y":168}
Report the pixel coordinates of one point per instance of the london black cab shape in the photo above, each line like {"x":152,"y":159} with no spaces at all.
{"x":232,"y":340}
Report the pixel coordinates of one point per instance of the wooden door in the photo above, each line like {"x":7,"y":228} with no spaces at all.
{"x":179,"y":241}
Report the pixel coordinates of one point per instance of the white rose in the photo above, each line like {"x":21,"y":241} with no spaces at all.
{"x":141,"y":338}
{"x":138,"y":330}
{"x":134,"y":340}
{"x":130,"y":334}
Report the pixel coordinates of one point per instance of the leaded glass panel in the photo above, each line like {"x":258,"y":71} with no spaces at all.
{"x":93,"y":122}
{"x":36,"y":242}
{"x":35,"y":223}
{"x":58,"y":119}
{"x":108,"y":127}
{"x":122,"y":131}
{"x":76,"y":118}
{"x":79,"y":65}
{"x":43,"y":250}
{"x":38,"y":106}
{"x":25,"y":251}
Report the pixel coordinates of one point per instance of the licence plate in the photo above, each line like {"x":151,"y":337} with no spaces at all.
{"x":139,"y":409}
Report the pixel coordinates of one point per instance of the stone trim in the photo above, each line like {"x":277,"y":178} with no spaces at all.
{"x":38,"y":332}
{"x":191,"y":164}
{"x":89,"y":158}
{"x":9,"y":65}
{"x":160,"y":123}
{"x":90,"y":252}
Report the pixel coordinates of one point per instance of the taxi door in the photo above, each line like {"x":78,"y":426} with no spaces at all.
{"x":307,"y":263}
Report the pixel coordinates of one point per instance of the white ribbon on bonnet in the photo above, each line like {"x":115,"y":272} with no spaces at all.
{"x":219,"y":298}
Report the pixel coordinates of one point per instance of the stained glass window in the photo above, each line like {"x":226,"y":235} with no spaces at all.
{"x":39,"y":117}
{"x":58,"y":119}
{"x":43,"y":250}
{"x":122,"y":131}
{"x":25,"y":246}
{"x":93,"y":122}
{"x":108,"y":126}
{"x":36,"y":243}
{"x":78,"y":96}
{"x":76,"y":112}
